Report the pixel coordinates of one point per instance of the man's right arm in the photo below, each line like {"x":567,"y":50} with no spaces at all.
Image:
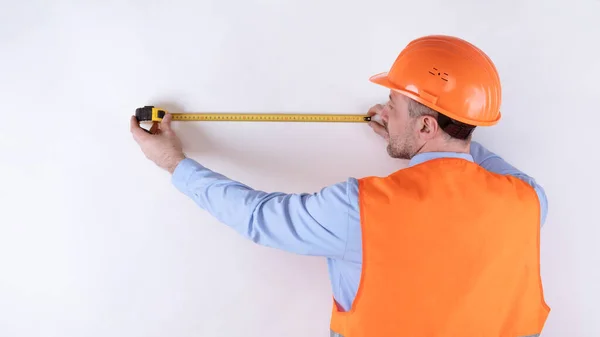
{"x":494,"y":163}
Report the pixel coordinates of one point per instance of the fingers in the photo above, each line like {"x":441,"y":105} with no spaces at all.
{"x":375,"y":110}
{"x":154,"y":128}
{"x":136,"y":130}
{"x":165,"y":124}
{"x":379,"y":129}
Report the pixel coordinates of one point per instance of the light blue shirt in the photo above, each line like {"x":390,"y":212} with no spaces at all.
{"x":325,"y":223}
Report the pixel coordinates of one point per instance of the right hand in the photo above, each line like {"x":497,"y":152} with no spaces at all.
{"x":377,"y":127}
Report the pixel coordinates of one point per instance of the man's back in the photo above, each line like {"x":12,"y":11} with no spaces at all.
{"x":449,"y":249}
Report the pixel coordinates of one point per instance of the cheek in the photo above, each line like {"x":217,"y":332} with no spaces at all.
{"x":396,"y":130}
{"x":396,"y":124}
{"x":394,"y":117}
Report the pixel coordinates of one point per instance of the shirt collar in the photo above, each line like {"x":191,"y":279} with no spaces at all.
{"x":423,"y":157}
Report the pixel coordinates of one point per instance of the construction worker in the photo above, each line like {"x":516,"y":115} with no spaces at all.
{"x":446,"y":247}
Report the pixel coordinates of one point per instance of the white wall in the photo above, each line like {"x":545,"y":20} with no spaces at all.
{"x":94,"y":241}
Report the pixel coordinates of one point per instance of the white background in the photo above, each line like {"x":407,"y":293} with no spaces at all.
{"x":94,"y":239}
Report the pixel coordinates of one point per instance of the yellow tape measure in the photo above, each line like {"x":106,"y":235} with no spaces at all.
{"x":151,"y":113}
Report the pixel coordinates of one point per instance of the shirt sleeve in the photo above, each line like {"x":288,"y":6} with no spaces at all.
{"x":494,"y":163}
{"x":303,"y":223}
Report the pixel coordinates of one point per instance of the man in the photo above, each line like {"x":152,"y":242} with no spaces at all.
{"x":446,"y":247}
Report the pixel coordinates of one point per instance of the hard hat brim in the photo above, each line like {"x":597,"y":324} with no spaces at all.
{"x":383,"y":80}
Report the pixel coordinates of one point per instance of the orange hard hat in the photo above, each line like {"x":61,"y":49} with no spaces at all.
{"x":449,"y":75}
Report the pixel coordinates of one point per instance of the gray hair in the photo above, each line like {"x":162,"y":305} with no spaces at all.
{"x":416,"y":109}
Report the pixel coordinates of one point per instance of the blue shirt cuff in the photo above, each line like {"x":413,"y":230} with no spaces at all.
{"x":183,"y":172}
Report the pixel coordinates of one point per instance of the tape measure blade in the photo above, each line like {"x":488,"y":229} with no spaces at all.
{"x":279,"y":117}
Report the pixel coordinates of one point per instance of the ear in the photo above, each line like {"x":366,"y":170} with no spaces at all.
{"x":427,"y":127}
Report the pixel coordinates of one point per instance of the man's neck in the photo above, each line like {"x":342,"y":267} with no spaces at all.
{"x":447,"y":146}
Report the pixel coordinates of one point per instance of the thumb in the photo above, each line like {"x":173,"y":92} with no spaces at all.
{"x":380,"y":130}
{"x":165,"y":124}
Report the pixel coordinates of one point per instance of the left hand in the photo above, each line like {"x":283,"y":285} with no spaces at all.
{"x":161,"y":145}
{"x":379,"y":129}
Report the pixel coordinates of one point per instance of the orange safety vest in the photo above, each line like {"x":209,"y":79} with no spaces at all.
{"x":449,"y":250}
